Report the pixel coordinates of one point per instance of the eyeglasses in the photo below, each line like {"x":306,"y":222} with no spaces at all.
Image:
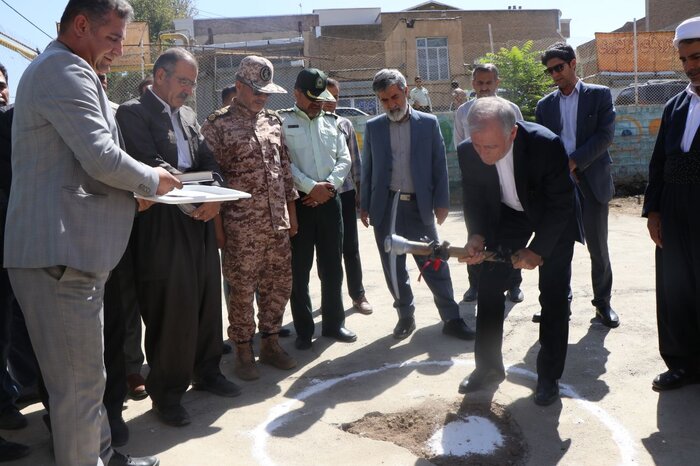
{"x":554,"y":69}
{"x":186,"y":82}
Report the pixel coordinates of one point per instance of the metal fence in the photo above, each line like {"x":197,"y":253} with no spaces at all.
{"x":217,"y":68}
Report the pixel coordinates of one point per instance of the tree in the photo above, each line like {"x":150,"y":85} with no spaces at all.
{"x":159,"y":14}
{"x":521,"y":75}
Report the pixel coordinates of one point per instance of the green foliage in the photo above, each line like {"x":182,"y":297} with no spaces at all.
{"x":521,"y":76}
{"x":159,"y":14}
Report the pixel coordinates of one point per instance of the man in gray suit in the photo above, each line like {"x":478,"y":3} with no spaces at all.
{"x":70,"y":213}
{"x":583,"y":116}
{"x":404,"y":151}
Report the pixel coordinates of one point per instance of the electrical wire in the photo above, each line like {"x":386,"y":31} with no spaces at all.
{"x":26,"y":19}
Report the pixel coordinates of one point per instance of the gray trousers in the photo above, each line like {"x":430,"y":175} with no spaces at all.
{"x":63,"y":310}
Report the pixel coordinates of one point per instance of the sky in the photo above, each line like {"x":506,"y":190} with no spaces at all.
{"x":587,"y":17}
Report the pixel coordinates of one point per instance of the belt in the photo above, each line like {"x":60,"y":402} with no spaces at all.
{"x":405,"y":196}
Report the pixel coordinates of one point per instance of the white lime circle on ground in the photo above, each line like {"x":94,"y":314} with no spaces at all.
{"x":473,"y":435}
{"x":277,"y":414}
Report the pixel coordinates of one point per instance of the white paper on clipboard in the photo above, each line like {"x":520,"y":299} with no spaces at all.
{"x":192,"y":194}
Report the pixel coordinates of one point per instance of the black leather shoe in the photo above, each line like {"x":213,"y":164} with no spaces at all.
{"x":175,"y":416}
{"x":123,"y":460}
{"x":470,"y":295}
{"x":458,"y":328}
{"x":342,"y":334}
{"x":218,"y":385}
{"x":285,"y":332}
{"x":226,"y":348}
{"x":302,"y":343}
{"x":515,"y":295}
{"x":120,"y":432}
{"x":481,"y":379}
{"x":607,"y":316}
{"x":673,"y":379}
{"x":547,"y":392}
{"x":12,"y":419}
{"x":537,"y":317}
{"x":12,"y":451}
{"x":404,"y":327}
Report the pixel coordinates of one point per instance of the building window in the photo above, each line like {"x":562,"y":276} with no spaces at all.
{"x":433,"y":59}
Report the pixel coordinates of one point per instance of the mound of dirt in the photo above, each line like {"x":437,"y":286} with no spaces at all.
{"x":412,"y":429}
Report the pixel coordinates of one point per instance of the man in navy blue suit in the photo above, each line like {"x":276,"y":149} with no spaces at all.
{"x":583,"y":116}
{"x":518,"y":201}
{"x":404,"y":155}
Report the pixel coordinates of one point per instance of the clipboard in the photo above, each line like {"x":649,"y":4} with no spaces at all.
{"x":195,"y":193}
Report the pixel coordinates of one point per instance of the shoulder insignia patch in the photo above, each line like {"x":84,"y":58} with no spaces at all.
{"x":218,"y":113}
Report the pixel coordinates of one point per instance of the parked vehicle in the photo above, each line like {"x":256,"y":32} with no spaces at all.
{"x":349,"y":111}
{"x":655,"y":91}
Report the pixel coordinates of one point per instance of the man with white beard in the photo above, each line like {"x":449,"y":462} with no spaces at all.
{"x":404,"y":155}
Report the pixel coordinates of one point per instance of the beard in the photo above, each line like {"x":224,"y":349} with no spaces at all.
{"x":398,"y":114}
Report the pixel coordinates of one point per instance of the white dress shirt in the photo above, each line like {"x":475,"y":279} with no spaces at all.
{"x":692,"y":122}
{"x":184,"y":158}
{"x":506,"y":178}
{"x":568,"y":108}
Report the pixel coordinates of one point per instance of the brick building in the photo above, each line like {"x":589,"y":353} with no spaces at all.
{"x":432,"y":39}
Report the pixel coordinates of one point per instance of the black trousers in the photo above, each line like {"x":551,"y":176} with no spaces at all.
{"x":320,"y":228}
{"x":513,"y":233}
{"x":351,"y":246}
{"x":678,"y":278}
{"x":595,"y":227}
{"x":179,"y":294}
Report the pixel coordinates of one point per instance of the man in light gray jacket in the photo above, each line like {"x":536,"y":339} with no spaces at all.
{"x":69,"y":217}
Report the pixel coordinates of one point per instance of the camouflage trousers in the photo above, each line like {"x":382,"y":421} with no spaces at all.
{"x":257,"y":262}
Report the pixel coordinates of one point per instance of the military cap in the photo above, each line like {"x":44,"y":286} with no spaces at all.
{"x":257,"y":73}
{"x":312,"y":83}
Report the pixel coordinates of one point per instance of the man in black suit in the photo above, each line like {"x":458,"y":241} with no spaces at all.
{"x":515,"y":182}
{"x":671,"y":206}
{"x":176,"y":258}
{"x":583,"y":116}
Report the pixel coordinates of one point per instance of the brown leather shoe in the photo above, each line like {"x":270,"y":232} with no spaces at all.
{"x":362,"y":305}
{"x":137,"y":387}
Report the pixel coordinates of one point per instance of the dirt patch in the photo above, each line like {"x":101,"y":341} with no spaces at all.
{"x":412,"y":429}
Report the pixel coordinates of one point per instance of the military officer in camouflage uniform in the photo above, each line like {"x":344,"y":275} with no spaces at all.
{"x":320,"y":163}
{"x":247,"y":142}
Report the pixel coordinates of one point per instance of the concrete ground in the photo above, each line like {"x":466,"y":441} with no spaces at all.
{"x":608,"y":415}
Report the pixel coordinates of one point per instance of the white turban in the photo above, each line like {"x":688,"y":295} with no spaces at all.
{"x":688,"y":29}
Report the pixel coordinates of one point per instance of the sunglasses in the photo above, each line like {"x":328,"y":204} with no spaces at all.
{"x":554,"y":69}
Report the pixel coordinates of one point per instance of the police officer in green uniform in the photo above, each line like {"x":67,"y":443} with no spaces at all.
{"x":320,"y":163}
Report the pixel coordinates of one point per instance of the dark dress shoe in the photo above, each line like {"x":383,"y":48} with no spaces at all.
{"x":607,"y":316}
{"x":537,"y":317}
{"x":481,"y":379}
{"x":123,"y":460}
{"x":226,"y":348}
{"x":515,"y":295}
{"x":137,"y":387}
{"x":12,"y":419}
{"x":547,"y":392}
{"x":673,"y":379}
{"x":218,"y":385}
{"x":342,"y":334}
{"x":458,"y":328}
{"x":470,"y":295}
{"x":404,"y":327}
{"x":10,"y":451}
{"x":302,"y":343}
{"x":176,"y":416}
{"x":120,"y":432}
{"x":285,"y":332}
